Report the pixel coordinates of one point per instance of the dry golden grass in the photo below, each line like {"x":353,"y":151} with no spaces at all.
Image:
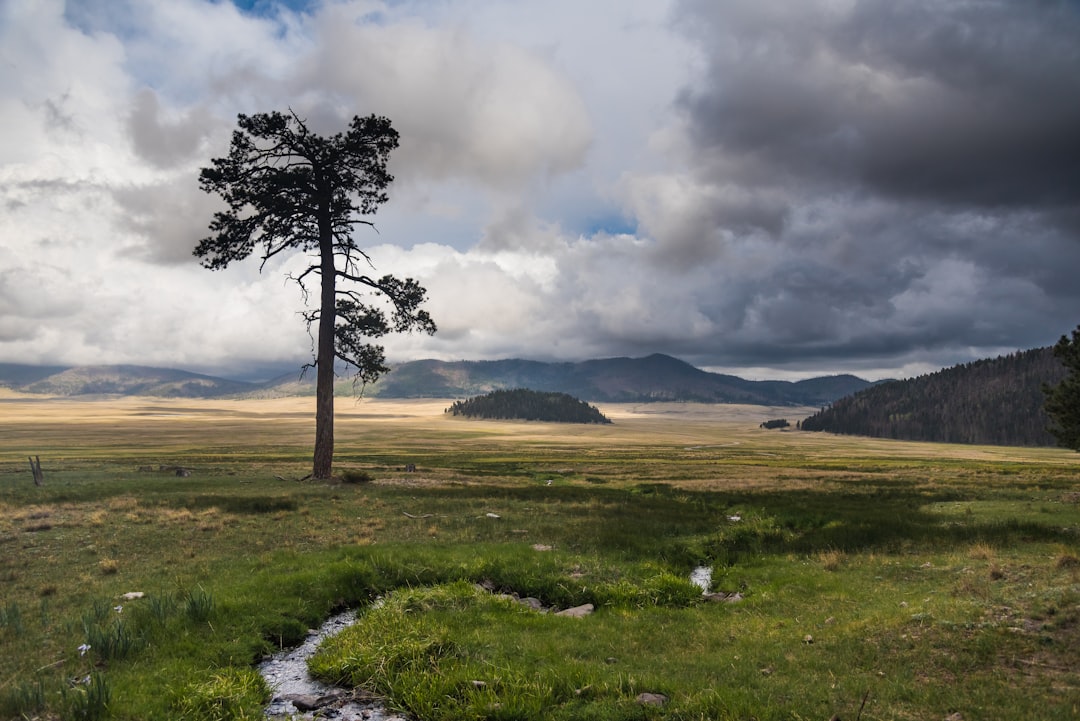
{"x":832,"y":559}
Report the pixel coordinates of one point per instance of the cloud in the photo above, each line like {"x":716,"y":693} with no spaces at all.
{"x":868,"y":178}
{"x":966,"y":103}
{"x":488,"y":112}
{"x":789,"y":188}
{"x":165,"y":142}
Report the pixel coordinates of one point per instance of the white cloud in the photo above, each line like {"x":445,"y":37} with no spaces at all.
{"x":490,"y":112}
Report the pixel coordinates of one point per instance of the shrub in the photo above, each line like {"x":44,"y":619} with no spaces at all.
{"x":356,"y":476}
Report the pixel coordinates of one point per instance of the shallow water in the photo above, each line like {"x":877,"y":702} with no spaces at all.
{"x":287,"y":675}
{"x":702,"y":578}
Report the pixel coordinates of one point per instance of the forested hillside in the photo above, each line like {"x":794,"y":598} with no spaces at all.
{"x":997,"y":402}
{"x":529,"y":405}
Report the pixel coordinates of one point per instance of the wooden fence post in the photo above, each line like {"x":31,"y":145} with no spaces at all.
{"x":35,"y":468}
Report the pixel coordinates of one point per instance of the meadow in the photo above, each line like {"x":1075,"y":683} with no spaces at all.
{"x":865,"y":579}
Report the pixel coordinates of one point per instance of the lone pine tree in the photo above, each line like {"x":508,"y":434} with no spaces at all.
{"x":288,"y":189}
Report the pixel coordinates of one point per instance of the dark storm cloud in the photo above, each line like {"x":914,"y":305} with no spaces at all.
{"x":968,"y":103}
{"x":923,"y":162}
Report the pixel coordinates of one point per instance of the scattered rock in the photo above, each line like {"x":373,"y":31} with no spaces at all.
{"x":534,"y":603}
{"x":541,"y":547}
{"x":577,"y":611}
{"x":807,"y":639}
{"x":1032,"y":626}
{"x":955,"y":717}
{"x":311,"y":702}
{"x":303,"y":702}
{"x":493,"y":515}
{"x":651,"y":699}
{"x":721,"y":597}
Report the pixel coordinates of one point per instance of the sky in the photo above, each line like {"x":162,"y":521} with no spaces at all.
{"x":773,"y":189}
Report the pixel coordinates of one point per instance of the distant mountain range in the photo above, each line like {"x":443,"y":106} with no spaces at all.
{"x":656,"y":377}
{"x":615,"y":380}
{"x":127,"y":380}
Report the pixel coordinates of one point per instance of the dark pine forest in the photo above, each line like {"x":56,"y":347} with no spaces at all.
{"x":528,"y":405}
{"x":995,"y":402}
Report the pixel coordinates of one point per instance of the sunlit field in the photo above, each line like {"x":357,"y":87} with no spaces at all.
{"x":870,"y":579}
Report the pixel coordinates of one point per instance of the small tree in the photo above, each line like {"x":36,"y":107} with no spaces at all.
{"x":1063,"y":400}
{"x":289,"y":189}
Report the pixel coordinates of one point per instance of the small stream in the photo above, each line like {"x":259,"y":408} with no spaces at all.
{"x":298,"y":696}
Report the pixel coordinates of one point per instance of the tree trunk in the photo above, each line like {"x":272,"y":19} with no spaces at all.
{"x":35,"y":468}
{"x":324,"y":361}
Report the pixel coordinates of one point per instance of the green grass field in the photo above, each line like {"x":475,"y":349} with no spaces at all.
{"x":879,"y":580}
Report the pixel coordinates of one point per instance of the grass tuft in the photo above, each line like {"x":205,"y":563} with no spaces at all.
{"x":87,"y":699}
{"x":1067,"y":561}
{"x":199,"y":605}
{"x":831,"y":559}
{"x":230,"y":694}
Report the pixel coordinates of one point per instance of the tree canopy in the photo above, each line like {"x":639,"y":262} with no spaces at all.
{"x":995,"y":401}
{"x":1063,"y":399}
{"x":291,"y":190}
{"x":529,"y":405}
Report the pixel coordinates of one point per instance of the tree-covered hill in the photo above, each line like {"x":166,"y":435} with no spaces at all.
{"x":524,"y":404}
{"x":996,"y":401}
